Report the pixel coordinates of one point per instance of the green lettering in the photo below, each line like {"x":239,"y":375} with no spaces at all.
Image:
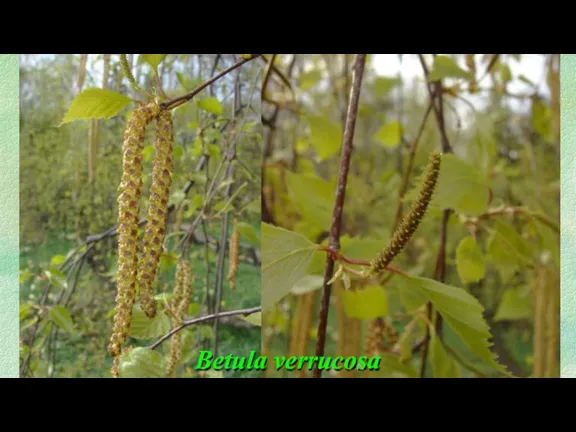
{"x":291,"y":362}
{"x":361,"y":363}
{"x":335,"y":363}
{"x":374,"y":363}
{"x":349,"y":363}
{"x":205,"y":356}
{"x":218,"y":363}
{"x":301,"y":362}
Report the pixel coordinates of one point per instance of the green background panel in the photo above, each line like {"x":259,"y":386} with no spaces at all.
{"x":9,"y":214}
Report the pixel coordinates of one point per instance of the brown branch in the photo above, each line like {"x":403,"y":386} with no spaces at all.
{"x":245,"y":312}
{"x":435,"y":92}
{"x":408,"y":172}
{"x":183,"y":99}
{"x":334,"y":239}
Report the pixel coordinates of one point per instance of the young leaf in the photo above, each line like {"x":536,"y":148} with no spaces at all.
{"x":462,"y":313}
{"x":383,"y":85}
{"x":325,"y":136}
{"x":313,"y":198}
{"x":95,"y":103}
{"x":212,"y":105}
{"x":285,"y":258}
{"x":445,"y":67}
{"x":61,"y":317}
{"x":513,"y":306}
{"x":152,"y":59}
{"x":390,"y":134}
{"x":470,"y":261}
{"x":443,"y":366}
{"x":255,"y":319}
{"x":366,"y":303}
{"x":144,"y":328}
{"x":141,"y":362}
{"x":309,"y":79}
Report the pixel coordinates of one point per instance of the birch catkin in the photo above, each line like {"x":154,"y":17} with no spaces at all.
{"x":410,"y":222}
{"x":234,"y":255}
{"x":179,"y":305}
{"x":129,"y":193}
{"x":155,"y":231}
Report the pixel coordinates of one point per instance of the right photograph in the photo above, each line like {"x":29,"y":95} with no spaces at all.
{"x":411,"y":215}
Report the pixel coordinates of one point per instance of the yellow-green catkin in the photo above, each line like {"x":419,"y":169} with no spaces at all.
{"x":233,"y":252}
{"x":179,"y":306}
{"x":155,"y":231}
{"x":127,"y":72}
{"x":129,"y":193}
{"x":410,"y":222}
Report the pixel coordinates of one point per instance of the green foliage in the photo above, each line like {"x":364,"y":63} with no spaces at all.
{"x":95,"y":103}
{"x":500,"y":183}
{"x":61,"y":208}
{"x":445,"y":67}
{"x":141,"y":363}
{"x":470,"y":261}
{"x":285,"y":258}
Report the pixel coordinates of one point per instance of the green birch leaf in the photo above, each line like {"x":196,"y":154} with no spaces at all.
{"x":286,"y":256}
{"x":462,"y":313}
{"x":141,"y":362}
{"x":95,"y":103}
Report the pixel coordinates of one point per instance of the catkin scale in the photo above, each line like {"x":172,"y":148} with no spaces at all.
{"x":179,"y":305}
{"x":410,"y":222}
{"x":154,"y":234}
{"x":233,"y":255}
{"x":129,"y":193}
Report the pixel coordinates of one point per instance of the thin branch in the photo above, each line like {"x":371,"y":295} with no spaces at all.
{"x":245,"y":312}
{"x":183,"y":99}
{"x":435,"y":92}
{"x":334,"y":239}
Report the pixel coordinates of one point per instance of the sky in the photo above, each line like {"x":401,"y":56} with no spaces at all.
{"x":532,"y":66}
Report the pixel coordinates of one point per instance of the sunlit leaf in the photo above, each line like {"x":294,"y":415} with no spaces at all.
{"x":145,"y":328}
{"x":366,"y":303}
{"x":95,"y":103}
{"x":445,"y":67}
{"x":390,"y":135}
{"x":211,"y":104}
{"x":141,"y":362}
{"x":325,"y":136}
{"x":462,"y":313}
{"x":470,"y":262}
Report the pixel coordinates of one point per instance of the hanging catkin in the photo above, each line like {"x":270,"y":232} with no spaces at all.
{"x":179,"y":305}
{"x":410,"y":222}
{"x":233,"y":253}
{"x":129,"y":193}
{"x":155,"y":231}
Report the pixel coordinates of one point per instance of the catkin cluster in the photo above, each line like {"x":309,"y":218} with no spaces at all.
{"x":410,"y":222}
{"x":179,"y":305}
{"x":129,"y":193}
{"x":158,"y":205}
{"x":233,"y":253}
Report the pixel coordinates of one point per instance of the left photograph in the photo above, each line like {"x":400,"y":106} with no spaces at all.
{"x":139,"y":214}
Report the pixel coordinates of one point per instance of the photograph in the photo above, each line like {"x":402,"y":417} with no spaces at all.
{"x":140,"y":213}
{"x":411,"y":215}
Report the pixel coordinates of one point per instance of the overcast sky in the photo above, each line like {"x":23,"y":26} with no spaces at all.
{"x":532,"y":66}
